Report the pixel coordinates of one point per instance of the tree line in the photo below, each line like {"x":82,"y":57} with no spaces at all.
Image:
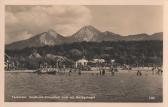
{"x":142,"y":53}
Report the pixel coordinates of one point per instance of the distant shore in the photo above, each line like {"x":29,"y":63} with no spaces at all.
{"x":90,"y":71}
{"x":22,"y":71}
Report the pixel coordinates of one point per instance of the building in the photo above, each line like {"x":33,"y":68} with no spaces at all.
{"x":9,"y":63}
{"x":98,"y":60}
{"x":81,"y":62}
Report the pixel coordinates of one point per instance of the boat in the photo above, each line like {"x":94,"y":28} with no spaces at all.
{"x":46,"y":71}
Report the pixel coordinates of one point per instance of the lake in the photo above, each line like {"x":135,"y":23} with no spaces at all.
{"x":124,"y":86}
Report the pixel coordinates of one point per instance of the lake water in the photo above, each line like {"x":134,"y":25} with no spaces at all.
{"x":88,"y":87}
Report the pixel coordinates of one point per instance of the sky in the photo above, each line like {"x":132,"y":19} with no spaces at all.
{"x":23,"y":22}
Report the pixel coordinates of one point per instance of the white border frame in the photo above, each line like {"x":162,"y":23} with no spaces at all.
{"x":83,"y":2}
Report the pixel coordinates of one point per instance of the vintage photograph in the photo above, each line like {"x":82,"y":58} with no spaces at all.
{"x":83,"y":53}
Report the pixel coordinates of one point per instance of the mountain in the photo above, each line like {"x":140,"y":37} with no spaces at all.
{"x":90,"y":33}
{"x":155,"y":36}
{"x":86,"y":33}
{"x":49,"y":38}
{"x":137,"y":37}
{"x":110,"y":36}
{"x":144,"y":37}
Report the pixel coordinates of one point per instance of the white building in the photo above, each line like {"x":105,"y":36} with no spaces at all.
{"x":82,"y":62}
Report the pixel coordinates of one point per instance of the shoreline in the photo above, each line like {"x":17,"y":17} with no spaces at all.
{"x":21,"y":71}
{"x":142,"y":69}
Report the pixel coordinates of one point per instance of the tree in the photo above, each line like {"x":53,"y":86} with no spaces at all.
{"x":75,"y":54}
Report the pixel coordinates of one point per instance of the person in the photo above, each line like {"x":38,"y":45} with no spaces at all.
{"x":112,"y":71}
{"x":79,"y":72}
{"x":161,"y":71}
{"x":158,"y":71}
{"x":70,"y":72}
{"x":100,"y":72}
{"x":92,"y":74}
{"x":97,"y":74}
{"x":64,"y":68}
{"x":103,"y":72}
{"x":139,"y":73}
{"x":153,"y":71}
{"x":116,"y":70}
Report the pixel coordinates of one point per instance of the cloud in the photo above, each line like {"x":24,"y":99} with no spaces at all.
{"x":23,"y":22}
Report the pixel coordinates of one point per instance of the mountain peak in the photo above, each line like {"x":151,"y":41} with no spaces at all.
{"x":49,"y":38}
{"x":86,"y":33}
{"x":52,"y":33}
{"x":89,"y":27}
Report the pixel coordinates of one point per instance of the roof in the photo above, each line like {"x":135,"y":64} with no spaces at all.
{"x":82,"y":60}
{"x":99,"y":60}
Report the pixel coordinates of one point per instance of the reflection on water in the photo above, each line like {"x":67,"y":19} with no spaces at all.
{"x":123,"y":87}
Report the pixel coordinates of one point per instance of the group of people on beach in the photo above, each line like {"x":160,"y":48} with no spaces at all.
{"x":112,"y":71}
{"x":101,"y":71}
{"x":157,"y":70}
